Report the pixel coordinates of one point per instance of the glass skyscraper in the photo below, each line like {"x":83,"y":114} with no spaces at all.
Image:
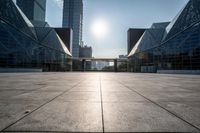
{"x":33,"y":9}
{"x":170,"y":47}
{"x":73,"y":18}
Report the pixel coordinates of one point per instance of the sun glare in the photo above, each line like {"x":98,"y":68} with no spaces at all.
{"x":99,"y":29}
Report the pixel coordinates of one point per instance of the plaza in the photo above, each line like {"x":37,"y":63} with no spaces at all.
{"x":99,"y":102}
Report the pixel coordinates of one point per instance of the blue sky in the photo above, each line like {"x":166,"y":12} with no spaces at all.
{"x":120,"y":16}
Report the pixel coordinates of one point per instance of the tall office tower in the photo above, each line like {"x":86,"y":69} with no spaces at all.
{"x":33,"y":9}
{"x":73,"y":18}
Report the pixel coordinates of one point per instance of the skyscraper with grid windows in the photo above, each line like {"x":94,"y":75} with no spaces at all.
{"x":73,"y":18}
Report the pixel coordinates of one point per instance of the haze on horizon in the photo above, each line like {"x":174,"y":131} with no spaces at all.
{"x":118,"y":16}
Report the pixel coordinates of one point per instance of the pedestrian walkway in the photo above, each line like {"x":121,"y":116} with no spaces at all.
{"x":99,"y":102}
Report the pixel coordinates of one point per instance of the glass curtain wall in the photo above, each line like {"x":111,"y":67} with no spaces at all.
{"x":177,"y":49}
{"x":24,"y":46}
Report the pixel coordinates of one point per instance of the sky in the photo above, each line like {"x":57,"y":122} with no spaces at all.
{"x":119,"y":16}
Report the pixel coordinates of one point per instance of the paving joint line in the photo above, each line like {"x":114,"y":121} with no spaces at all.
{"x":102,"y":114}
{"x":3,"y":130}
{"x":179,"y":117}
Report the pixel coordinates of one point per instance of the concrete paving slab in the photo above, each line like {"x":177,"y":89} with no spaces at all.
{"x":96,"y":85}
{"x":81,"y":96}
{"x":22,"y":86}
{"x":189,"y":111}
{"x":148,"y":87}
{"x":141,"y":117}
{"x":7,"y":94}
{"x":114,"y":88}
{"x":55,"y":88}
{"x":86,"y":89}
{"x":63,"y":116}
{"x":171,"y":96}
{"x":36,"y":96}
{"x":123,"y":96}
{"x":10,"y":112}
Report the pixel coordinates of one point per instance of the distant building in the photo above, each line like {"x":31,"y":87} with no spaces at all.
{"x":133,"y":36}
{"x":86,"y":52}
{"x":73,"y":18}
{"x":34,"y":10}
{"x":66,"y":35}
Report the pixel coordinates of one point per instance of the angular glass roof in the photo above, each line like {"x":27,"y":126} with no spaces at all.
{"x":42,"y":32}
{"x":152,"y":37}
{"x":13,"y":21}
{"x":188,"y":16}
{"x":11,"y":14}
{"x":52,"y":40}
{"x":63,"y":46}
{"x":133,"y":51}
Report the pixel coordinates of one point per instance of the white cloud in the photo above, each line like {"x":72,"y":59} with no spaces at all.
{"x":59,"y":3}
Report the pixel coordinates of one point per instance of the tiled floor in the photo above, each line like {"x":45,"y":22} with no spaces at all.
{"x":99,"y":102}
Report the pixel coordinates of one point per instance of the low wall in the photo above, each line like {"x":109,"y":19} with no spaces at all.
{"x":179,"y":71}
{"x":4,"y":70}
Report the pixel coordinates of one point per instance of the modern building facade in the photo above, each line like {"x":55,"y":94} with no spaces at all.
{"x":66,"y":35}
{"x":73,"y":18}
{"x":170,"y":48}
{"x":133,"y":36}
{"x":23,"y":45}
{"x":34,"y":10}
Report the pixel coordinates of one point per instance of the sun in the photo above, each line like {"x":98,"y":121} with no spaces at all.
{"x":99,"y":28}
